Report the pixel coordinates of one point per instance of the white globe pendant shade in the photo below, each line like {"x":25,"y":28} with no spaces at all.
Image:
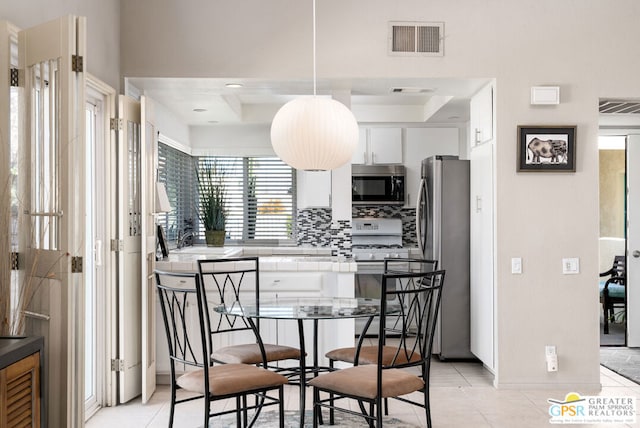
{"x":314,"y":134}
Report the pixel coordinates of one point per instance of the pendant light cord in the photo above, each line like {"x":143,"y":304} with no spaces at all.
{"x":314,"y":48}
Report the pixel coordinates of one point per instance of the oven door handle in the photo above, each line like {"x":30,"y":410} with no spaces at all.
{"x":370,"y":267}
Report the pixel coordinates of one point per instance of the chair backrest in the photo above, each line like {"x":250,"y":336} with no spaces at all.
{"x":619,"y":269}
{"x":179,"y":292}
{"x":225,"y":282}
{"x":410,"y":302}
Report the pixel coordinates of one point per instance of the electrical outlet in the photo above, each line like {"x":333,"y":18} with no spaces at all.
{"x":551,"y":358}
{"x":552,"y":363}
{"x":516,"y":265}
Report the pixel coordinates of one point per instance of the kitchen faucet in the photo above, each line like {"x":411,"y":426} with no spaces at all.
{"x":185,"y":239}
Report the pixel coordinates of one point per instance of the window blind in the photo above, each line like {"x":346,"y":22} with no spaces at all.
{"x":177,"y":171}
{"x":260,"y":198}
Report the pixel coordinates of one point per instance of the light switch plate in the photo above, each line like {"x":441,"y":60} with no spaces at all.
{"x":516,"y":265}
{"x":570,"y":266}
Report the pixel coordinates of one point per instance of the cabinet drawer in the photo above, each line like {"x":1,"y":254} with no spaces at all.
{"x":291,"y":281}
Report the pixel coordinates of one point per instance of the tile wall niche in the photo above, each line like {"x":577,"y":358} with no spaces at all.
{"x":315,"y":227}
{"x":408,"y":216}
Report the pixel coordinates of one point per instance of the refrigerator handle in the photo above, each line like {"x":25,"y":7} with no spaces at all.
{"x":419,"y":209}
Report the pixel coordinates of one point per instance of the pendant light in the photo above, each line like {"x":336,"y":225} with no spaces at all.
{"x":313,"y":133}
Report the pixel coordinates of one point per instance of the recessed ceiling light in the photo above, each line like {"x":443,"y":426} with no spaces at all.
{"x":212,"y":121}
{"x":199,"y":110}
{"x":233,"y":85}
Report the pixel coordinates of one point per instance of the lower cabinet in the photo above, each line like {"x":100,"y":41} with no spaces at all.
{"x":20,"y":397}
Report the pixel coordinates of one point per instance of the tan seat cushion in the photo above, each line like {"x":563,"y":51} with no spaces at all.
{"x":250,"y":354}
{"x":369,"y":355}
{"x":361,"y":381}
{"x":230,"y":379}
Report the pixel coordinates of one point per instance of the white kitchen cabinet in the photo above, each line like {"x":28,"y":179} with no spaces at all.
{"x":360,"y":155}
{"x":314,"y":189}
{"x":482,"y":296}
{"x":481,"y":115}
{"x":379,"y":146}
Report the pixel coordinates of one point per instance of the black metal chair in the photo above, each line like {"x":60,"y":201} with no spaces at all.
{"x":230,"y":280}
{"x":360,"y":354}
{"x":405,"y":342}
{"x":180,"y":294}
{"x":613,"y":290}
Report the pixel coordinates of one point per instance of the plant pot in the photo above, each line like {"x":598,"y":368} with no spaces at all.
{"x":214,"y":238}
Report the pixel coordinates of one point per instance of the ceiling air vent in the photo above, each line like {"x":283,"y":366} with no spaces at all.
{"x":619,"y":107}
{"x":416,"y":38}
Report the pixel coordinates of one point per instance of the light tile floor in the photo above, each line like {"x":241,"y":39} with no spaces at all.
{"x":462,"y":395}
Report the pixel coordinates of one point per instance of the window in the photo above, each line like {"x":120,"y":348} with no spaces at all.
{"x":259,"y":197}
{"x":176,"y":170}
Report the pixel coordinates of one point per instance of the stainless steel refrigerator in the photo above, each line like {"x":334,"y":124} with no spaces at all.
{"x":442,"y":217}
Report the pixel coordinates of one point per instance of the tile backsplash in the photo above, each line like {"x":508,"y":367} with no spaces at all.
{"x":313,"y":227}
{"x":316,"y":228}
{"x":408,"y":216}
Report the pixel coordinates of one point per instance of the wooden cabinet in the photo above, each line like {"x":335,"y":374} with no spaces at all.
{"x":378,"y":146}
{"x":20,"y":394}
{"x":481,"y":115}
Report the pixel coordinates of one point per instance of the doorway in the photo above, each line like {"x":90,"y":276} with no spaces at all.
{"x":98,"y":287}
{"x":613,"y":233}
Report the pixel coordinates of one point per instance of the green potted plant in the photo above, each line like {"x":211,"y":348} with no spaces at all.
{"x":212,"y":212}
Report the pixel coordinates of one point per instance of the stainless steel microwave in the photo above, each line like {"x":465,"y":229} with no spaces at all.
{"x":377,"y":184}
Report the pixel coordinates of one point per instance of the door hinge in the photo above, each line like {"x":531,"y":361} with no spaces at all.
{"x":15,"y":261}
{"x":117,"y":365}
{"x":76,"y":264}
{"x":116,"y":124}
{"x":117,"y":245}
{"x":77,"y":63}
{"x":14,"y":77}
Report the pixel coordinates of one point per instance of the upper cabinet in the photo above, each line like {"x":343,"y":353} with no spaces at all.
{"x":314,"y":189}
{"x":378,"y":146}
{"x":481,"y":115}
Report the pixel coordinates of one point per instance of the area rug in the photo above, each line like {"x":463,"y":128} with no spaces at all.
{"x":622,"y":360}
{"x":269,"y":419}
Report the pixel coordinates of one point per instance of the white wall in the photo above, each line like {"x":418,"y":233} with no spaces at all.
{"x":585,"y":49}
{"x":420,"y":143}
{"x":231,"y":140}
{"x":103,"y":24}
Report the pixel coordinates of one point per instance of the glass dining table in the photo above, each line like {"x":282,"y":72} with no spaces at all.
{"x":301,"y":310}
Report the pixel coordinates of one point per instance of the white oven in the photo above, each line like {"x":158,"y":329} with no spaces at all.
{"x":373,"y":240}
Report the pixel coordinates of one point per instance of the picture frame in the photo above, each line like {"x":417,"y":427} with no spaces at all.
{"x":546,"y":148}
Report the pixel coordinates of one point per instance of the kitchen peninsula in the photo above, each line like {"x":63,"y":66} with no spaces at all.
{"x":284,"y":272}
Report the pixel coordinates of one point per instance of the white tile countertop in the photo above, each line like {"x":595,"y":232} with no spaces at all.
{"x":290,"y":259}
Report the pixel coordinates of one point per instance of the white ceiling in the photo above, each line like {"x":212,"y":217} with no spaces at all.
{"x":432,"y":101}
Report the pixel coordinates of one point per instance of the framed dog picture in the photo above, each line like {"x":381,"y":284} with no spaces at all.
{"x":547,"y":148}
